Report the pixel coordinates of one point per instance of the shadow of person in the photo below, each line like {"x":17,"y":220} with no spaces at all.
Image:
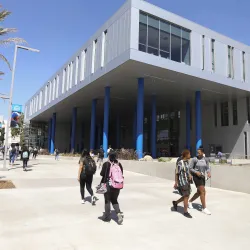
{"x":180,"y":210}
{"x":197,"y":206}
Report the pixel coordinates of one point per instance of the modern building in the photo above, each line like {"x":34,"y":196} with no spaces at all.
{"x":151,"y":80}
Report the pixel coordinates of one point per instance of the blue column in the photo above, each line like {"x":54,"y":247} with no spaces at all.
{"x":134,"y":129}
{"x":49,"y":133}
{"x":53,"y":134}
{"x":106,"y":120}
{"x":198,"y":119}
{"x":153,"y":127}
{"x":82,"y":137}
{"x":73,"y":130}
{"x":93,"y":125}
{"x":140,"y":117}
{"x":188,"y":126}
{"x":118,"y":133}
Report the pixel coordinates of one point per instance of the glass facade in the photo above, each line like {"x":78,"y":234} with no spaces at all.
{"x":224,"y":114}
{"x":161,"y":38}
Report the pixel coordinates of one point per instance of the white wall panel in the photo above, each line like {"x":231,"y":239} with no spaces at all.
{"x":196,"y":50}
{"x":221,"y":58}
{"x":237,"y":64}
{"x":247,"y":58}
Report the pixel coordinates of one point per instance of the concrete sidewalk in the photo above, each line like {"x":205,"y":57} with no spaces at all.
{"x":44,"y":213}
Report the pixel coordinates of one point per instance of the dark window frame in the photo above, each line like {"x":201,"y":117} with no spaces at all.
{"x":224,"y":114}
{"x":235,"y":112}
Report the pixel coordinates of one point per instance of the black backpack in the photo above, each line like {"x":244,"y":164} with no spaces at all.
{"x":90,"y":166}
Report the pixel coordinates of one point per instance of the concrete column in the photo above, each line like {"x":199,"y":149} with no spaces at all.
{"x":153,"y":127}
{"x":93,"y":124}
{"x":106,"y":121}
{"x":188,"y":126}
{"x":53,"y":134}
{"x":49,"y":133}
{"x":140,"y":117}
{"x":118,"y":131}
{"x":198,"y":120}
{"x":73,"y":130}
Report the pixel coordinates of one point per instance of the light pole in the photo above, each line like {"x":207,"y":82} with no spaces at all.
{"x":10,"y":102}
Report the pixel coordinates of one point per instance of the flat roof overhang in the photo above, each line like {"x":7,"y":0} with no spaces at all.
{"x":172,"y":89}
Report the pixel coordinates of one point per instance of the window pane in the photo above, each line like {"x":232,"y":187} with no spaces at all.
{"x":186,"y":34}
{"x":165,"y":54}
{"x":175,"y":43}
{"x":143,"y":18}
{"x":153,"y":22}
{"x":165,"y":41}
{"x":224,"y":114}
{"x":186,"y":51}
{"x":143,"y":34}
{"x":153,"y":51}
{"x":153,"y":32}
{"x":164,"y":26}
{"x":142,"y":47}
{"x":175,"y":30}
{"x":235,"y":114}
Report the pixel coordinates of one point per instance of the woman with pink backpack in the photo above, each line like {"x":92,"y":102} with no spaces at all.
{"x":112,"y":176}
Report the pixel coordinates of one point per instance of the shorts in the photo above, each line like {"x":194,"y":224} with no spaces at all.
{"x":185,"y":190}
{"x":199,"y":181}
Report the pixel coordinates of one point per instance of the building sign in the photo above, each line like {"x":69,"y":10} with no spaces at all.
{"x":15,"y":115}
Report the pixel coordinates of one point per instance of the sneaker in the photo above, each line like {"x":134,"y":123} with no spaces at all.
{"x":206,"y":211}
{"x":175,"y":205}
{"x":83,"y":201}
{"x":188,"y":215}
{"x":190,"y":205}
{"x":105,"y":218}
{"x":93,"y":200}
{"x":120,"y":218}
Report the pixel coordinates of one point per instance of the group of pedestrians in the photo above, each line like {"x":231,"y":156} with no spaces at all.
{"x":187,"y":172}
{"x":111,"y":181}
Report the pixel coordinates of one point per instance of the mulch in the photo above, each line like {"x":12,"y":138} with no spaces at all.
{"x":6,"y":184}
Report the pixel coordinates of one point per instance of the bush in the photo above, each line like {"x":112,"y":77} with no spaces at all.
{"x":126,"y":154}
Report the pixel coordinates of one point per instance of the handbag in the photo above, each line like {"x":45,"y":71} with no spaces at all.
{"x":102,"y":188}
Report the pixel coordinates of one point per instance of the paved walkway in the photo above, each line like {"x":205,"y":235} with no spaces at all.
{"x":44,"y":213}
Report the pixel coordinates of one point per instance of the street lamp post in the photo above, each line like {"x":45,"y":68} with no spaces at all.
{"x":10,"y":102}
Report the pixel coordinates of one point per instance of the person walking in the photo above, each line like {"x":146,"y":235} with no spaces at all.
{"x":35,"y":152}
{"x":12,"y":155}
{"x":183,"y":179}
{"x":199,"y":166}
{"x":110,"y":150}
{"x":57,"y":152}
{"x":25,"y":156}
{"x":87,"y":169}
{"x":112,"y":174}
{"x":100,"y":157}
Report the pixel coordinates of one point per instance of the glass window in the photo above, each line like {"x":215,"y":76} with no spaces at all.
{"x":224,"y":114}
{"x":175,"y":43}
{"x":143,"y":18}
{"x":243,"y":66}
{"x":164,"y":39}
{"x":153,"y":35}
{"x":248,"y":110}
{"x":235,"y":113}
{"x":185,"y":47}
{"x":212,"y":51}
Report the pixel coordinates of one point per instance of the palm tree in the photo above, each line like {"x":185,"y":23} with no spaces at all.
{"x":5,"y":32}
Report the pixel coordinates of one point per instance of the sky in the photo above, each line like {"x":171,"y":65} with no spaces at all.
{"x":60,"y":28}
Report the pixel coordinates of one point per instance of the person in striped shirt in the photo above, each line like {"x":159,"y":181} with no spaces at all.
{"x":183,"y":179}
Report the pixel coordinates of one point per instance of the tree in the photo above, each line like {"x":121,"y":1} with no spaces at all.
{"x":4,"y":32}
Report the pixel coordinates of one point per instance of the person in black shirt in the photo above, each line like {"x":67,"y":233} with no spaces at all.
{"x":25,"y":156}
{"x":100,"y":157}
{"x":111,"y":196}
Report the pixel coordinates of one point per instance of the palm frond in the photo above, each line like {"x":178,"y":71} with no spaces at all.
{"x":2,"y":57}
{"x":4,"y":14}
{"x":12,"y":40}
{"x":5,"y":31}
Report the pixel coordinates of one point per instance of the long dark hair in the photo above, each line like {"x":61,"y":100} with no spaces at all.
{"x":113,"y":158}
{"x":85,"y":153}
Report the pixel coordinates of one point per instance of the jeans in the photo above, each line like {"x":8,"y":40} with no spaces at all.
{"x":25,"y":162}
{"x":86,"y":180}
{"x":12,"y":158}
{"x":57,"y":157}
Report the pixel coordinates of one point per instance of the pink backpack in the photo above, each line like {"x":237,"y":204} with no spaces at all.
{"x":116,"y":178}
